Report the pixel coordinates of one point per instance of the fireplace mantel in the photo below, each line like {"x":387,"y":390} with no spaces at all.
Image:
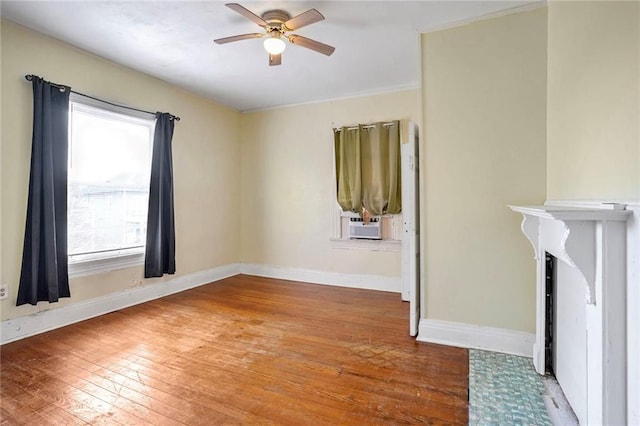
{"x":593,"y":242}
{"x":570,"y":235}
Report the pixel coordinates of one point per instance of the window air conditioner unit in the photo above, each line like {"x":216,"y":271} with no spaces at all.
{"x":370,"y":231}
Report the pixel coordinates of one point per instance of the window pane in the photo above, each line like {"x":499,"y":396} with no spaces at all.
{"x":109,"y":169}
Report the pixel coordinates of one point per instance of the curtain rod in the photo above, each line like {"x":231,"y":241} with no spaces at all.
{"x":29,"y":77}
{"x":368,"y":126}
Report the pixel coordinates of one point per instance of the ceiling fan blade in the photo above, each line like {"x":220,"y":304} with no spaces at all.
{"x":238,"y":38}
{"x":325,"y":49}
{"x":275,"y":59}
{"x":247,"y":13}
{"x":309,"y":17}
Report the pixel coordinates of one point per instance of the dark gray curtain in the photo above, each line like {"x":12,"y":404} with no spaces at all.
{"x":44,"y":275}
{"x":160,"y":251}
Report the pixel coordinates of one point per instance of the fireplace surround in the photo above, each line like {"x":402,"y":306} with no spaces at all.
{"x":593,"y":242}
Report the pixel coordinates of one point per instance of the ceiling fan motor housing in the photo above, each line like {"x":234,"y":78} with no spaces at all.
{"x":277,"y":23}
{"x":276,"y":19}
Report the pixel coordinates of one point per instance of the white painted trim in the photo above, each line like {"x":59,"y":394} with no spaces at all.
{"x":19,"y":328}
{"x":363,"y":94}
{"x":595,"y":204}
{"x":371,"y":245}
{"x":476,"y":337}
{"x":633,"y":317}
{"x":105,"y":264}
{"x":633,"y":297}
{"x":497,"y":14}
{"x":592,"y":237}
{"x":368,"y":282}
{"x":573,"y":213}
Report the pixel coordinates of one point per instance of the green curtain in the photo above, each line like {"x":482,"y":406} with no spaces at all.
{"x":368,"y":168}
{"x":348,"y":168}
{"x":380,"y":155}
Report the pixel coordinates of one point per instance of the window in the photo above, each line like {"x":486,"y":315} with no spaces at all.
{"x":367,"y":174}
{"x":108,"y":186}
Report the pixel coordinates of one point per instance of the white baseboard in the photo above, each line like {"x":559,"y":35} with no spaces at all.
{"x":476,"y":337}
{"x":30,"y":325}
{"x":369,"y":282}
{"x":19,"y":328}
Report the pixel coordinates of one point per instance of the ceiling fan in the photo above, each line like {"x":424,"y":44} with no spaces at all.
{"x":277,"y":24}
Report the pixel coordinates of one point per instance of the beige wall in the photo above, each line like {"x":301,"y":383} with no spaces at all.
{"x":287,"y":183}
{"x":274,"y":167}
{"x":206,"y":158}
{"x":484,"y":115}
{"x":484,"y":96}
{"x":594,"y":101}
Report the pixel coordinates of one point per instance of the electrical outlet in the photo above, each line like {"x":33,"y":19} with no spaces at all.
{"x":4,"y":292}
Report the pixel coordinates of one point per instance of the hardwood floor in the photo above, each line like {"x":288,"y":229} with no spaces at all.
{"x":245,"y":350}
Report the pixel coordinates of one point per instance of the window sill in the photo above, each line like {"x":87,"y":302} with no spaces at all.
{"x":98,"y":266}
{"x":371,"y":245}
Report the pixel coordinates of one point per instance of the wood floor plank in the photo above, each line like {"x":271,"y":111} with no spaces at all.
{"x":143,"y":402}
{"x":244,"y":350}
{"x":54,"y":416}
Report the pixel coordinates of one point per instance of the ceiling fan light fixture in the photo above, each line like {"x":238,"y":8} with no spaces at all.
{"x":274,"y":45}
{"x":276,"y":25}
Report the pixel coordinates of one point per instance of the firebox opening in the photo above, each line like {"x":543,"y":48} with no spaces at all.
{"x":550,"y":317}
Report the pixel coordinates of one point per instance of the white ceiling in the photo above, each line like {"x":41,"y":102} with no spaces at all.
{"x":376,"y":43}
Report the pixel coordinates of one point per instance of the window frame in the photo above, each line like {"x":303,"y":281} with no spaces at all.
{"x":95,"y":263}
{"x":338,"y":241}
